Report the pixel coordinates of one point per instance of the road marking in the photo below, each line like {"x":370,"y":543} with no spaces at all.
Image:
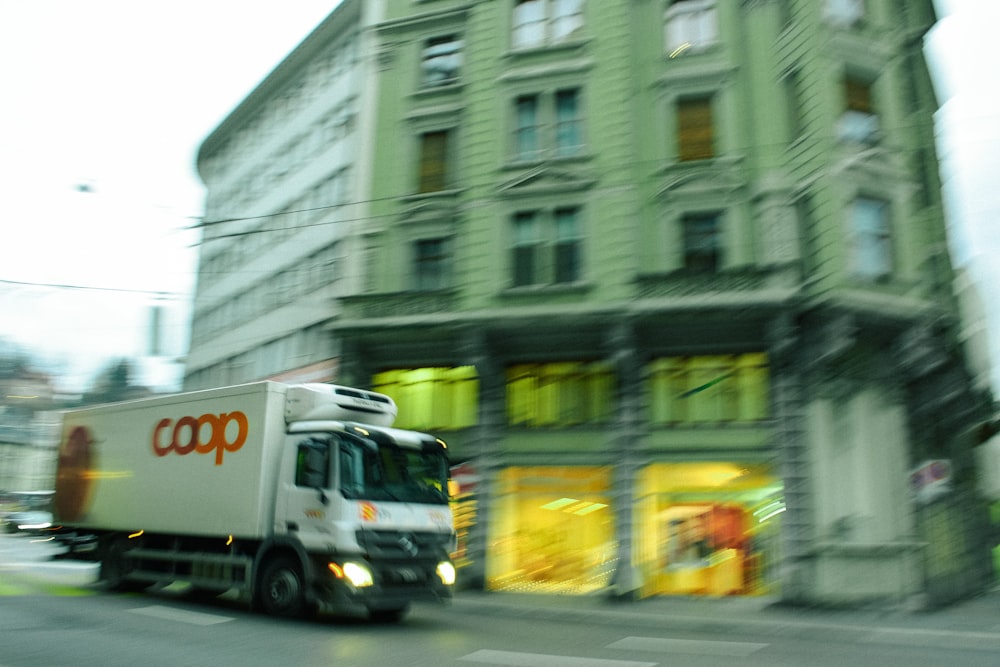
{"x":181,"y":616}
{"x":514,"y":659}
{"x":688,"y":646}
{"x":958,"y":639}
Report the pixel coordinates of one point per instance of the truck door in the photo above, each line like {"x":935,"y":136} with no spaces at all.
{"x":307,"y":502}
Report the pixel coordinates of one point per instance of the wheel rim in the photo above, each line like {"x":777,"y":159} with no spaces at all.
{"x":282,"y":588}
{"x":284,"y":591}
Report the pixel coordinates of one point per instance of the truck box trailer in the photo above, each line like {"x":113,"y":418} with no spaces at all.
{"x":300,"y":496}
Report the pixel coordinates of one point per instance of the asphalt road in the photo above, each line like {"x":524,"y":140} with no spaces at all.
{"x":51,"y":614}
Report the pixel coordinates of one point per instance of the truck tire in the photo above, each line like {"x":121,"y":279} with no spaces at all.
{"x":282,"y":590}
{"x":114,"y":570}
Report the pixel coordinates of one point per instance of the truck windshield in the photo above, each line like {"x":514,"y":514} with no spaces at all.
{"x":393,"y":473}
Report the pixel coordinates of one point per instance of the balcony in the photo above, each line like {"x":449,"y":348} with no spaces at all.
{"x":384,"y":305}
{"x":734,"y":283}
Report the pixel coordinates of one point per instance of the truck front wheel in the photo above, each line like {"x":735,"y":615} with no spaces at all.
{"x":282,"y":592}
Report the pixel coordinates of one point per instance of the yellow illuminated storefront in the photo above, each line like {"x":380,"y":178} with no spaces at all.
{"x":707,"y":528}
{"x":553,"y":530}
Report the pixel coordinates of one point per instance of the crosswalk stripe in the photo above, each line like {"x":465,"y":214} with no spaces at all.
{"x":180,"y":615}
{"x":688,"y":646}
{"x":515,"y":659}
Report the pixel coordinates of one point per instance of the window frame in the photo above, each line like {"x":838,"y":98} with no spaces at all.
{"x":552,"y":22}
{"x":541,"y":131}
{"x":696,"y":140}
{"x":541,"y":247}
{"x":453,"y":76}
{"x":876,"y":242}
{"x":429,"y":178}
{"x":432,"y":272}
{"x":859,"y":122}
{"x":844,"y":13}
{"x":690,"y":25}
{"x":693,"y":241}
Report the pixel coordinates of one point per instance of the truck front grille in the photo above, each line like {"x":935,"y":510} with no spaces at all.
{"x":403,"y":544}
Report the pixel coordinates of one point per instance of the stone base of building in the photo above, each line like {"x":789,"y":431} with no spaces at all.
{"x":852,"y":575}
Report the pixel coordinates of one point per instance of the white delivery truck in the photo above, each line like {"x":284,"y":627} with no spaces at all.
{"x":302,"y":497}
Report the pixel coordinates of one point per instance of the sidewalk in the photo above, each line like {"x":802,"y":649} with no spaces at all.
{"x":975,"y":622}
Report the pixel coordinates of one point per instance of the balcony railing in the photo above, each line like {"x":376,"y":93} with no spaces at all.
{"x":398,"y":304}
{"x":694,"y":283}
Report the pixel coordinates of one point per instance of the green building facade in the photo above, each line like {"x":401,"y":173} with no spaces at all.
{"x":672,"y":280}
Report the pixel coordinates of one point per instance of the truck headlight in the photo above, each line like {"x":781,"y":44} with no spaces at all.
{"x":446,"y":571}
{"x":359,"y":575}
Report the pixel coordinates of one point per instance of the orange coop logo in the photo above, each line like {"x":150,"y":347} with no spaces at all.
{"x":189,"y":435}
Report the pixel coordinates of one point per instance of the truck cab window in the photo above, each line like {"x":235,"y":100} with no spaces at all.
{"x":386,"y":472}
{"x":312,"y":465}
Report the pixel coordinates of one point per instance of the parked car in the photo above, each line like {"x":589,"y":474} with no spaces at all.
{"x":33,"y":522}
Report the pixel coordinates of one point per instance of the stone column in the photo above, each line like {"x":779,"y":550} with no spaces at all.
{"x":486,"y":459}
{"x":626,"y":431}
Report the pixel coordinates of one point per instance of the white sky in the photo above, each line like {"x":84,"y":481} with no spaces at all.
{"x":118,"y":94}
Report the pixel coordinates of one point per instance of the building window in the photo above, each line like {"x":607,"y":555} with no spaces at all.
{"x":541,"y":22}
{"x":859,"y":122}
{"x":870,"y":239}
{"x":430,"y":399}
{"x":923,"y":167}
{"x":844,"y":13}
{"x":690,"y":24}
{"x":709,"y":389}
{"x":560,"y":394}
{"x":695,"y":129}
{"x":526,"y":131}
{"x":430,"y":264}
{"x":567,"y":245}
{"x":546,"y":247}
{"x":701,"y":235}
{"x":792,"y":83}
{"x":548,"y":124}
{"x":568,"y":134}
{"x":433,"y":175}
{"x":442,"y":61}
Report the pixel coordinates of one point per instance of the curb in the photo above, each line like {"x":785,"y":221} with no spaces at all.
{"x":769,"y":625}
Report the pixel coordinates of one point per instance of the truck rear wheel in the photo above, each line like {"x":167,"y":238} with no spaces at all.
{"x":282,"y":591}
{"x":115,"y":568}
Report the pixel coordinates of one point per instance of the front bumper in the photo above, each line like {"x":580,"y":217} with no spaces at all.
{"x":393,"y":584}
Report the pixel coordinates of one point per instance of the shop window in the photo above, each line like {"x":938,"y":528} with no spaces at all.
{"x":433,"y":168}
{"x":560,"y":394}
{"x":552,"y":530}
{"x":690,"y":24}
{"x":702,"y":247}
{"x":546,"y":247}
{"x":708,"y":528}
{"x":870,"y":239}
{"x":543,"y":22}
{"x":431,"y":264}
{"x":709,"y":389}
{"x":442,"y":61}
{"x":695,"y":129}
{"x":431,"y":399}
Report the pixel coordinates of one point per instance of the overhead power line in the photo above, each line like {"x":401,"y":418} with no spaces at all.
{"x":92,"y":288}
